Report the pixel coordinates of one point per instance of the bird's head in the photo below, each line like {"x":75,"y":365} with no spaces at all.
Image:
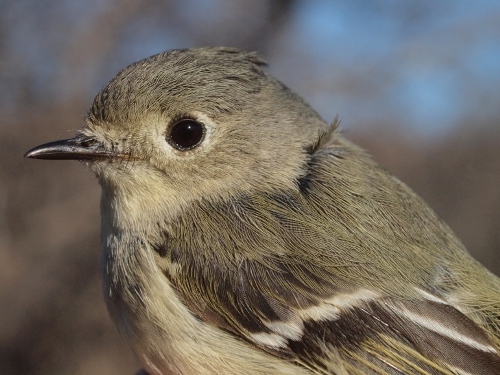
{"x":185,"y":125}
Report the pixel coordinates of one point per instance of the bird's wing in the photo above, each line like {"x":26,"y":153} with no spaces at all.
{"x":288,"y":273}
{"x":292,"y":308}
{"x":287,"y":312}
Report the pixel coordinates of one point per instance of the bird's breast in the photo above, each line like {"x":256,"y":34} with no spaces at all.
{"x":163,"y":333}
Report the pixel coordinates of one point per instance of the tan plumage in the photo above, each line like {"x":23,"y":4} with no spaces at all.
{"x":273,"y":245}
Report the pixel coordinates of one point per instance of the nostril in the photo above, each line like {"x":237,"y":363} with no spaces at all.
{"x":88,"y":142}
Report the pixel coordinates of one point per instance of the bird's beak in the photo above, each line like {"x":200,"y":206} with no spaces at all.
{"x":78,"y":148}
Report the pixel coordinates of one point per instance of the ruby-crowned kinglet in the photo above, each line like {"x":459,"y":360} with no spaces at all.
{"x":243,"y":235}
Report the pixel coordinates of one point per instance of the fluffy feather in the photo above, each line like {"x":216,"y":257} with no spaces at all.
{"x":273,"y":245}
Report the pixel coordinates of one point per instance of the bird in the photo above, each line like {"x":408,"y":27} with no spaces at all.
{"x":243,"y":234}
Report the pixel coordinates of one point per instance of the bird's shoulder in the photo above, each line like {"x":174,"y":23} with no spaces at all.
{"x":330,"y":285}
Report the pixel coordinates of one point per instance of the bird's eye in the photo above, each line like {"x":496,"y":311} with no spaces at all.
{"x":185,"y":134}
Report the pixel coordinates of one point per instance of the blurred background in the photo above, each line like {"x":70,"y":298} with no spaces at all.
{"x":417,"y":83}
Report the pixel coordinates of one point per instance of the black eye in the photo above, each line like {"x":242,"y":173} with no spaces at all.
{"x":186,"y":134}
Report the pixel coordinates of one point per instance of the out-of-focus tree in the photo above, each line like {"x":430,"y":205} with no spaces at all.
{"x":396,"y":72}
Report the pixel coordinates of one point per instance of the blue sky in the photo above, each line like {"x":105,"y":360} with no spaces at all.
{"x":427,"y":65}
{"x":438,"y":69}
